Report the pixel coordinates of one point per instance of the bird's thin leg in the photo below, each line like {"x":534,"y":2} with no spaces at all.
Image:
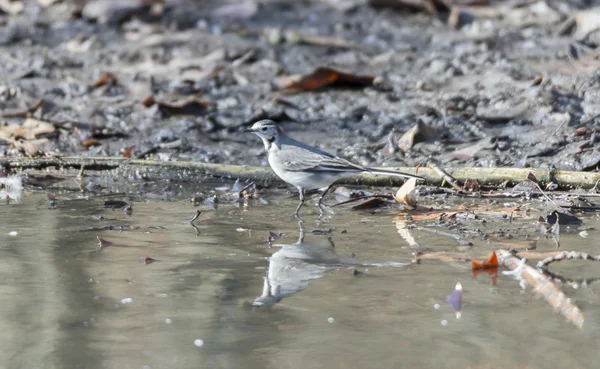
{"x":300,"y":203}
{"x":320,"y":202}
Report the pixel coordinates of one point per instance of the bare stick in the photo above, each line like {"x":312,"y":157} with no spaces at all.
{"x":543,"y":264}
{"x":154,"y":169}
{"x":542,"y":286}
{"x":446,"y":177}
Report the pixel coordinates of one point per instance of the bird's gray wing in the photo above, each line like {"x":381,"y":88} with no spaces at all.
{"x":300,"y":157}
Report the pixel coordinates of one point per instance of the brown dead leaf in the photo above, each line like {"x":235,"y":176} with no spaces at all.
{"x":127,"y":153}
{"x":107,"y":79}
{"x":322,"y":77}
{"x":420,"y":132}
{"x":192,"y":106}
{"x":492,"y":262}
{"x":405,"y":195}
{"x":91,"y":143}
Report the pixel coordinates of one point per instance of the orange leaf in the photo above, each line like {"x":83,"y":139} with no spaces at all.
{"x":91,"y":143}
{"x":127,"y":153}
{"x":322,"y":77}
{"x":106,"y":79}
{"x":491,"y":263}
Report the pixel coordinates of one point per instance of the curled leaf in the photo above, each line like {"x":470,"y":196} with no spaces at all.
{"x":420,"y":132}
{"x":405,"y":194}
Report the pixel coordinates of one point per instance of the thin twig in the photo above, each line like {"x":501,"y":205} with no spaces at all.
{"x":447,"y":177}
{"x":245,"y":188}
{"x":363,"y":198}
{"x":441,"y":233}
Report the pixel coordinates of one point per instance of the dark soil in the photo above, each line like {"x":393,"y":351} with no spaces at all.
{"x":506,"y":84}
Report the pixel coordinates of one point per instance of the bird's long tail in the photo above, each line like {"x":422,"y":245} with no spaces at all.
{"x":393,"y":173}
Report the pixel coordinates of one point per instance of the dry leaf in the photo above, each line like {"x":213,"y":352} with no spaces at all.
{"x":30,"y":148}
{"x":420,"y":132}
{"x":405,"y":194}
{"x":319,"y":78}
{"x":192,"y":106}
{"x":127,"y":153}
{"x":492,"y":262}
{"x":107,"y":79}
{"x":29,"y":130}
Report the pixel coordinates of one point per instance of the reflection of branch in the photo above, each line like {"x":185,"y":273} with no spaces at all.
{"x":191,"y":221}
{"x":571,"y":282}
{"x":543,"y":286}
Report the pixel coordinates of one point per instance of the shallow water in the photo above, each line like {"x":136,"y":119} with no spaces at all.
{"x":216,"y":300}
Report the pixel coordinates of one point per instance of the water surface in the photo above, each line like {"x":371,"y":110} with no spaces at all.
{"x":338,"y":298}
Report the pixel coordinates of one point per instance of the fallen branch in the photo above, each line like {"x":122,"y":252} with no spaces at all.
{"x":542,"y":286}
{"x":181,"y":170}
{"x":543,"y":264}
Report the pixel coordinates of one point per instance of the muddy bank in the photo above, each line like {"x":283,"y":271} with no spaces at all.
{"x":501,"y":85}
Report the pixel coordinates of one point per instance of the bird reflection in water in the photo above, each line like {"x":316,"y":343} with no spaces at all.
{"x":293,"y":266}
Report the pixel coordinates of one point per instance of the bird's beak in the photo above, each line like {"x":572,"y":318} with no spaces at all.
{"x":247,"y":130}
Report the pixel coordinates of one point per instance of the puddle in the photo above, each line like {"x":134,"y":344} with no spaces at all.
{"x":338,"y":297}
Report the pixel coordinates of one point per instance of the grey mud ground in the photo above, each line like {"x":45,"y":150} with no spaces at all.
{"x":514,"y":84}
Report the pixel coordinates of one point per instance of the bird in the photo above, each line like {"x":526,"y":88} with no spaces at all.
{"x":307,"y":167}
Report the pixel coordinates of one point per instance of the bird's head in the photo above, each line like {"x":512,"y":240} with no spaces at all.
{"x":266,"y":129}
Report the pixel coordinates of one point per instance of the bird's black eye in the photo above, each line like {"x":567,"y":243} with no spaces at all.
{"x":263,"y":129}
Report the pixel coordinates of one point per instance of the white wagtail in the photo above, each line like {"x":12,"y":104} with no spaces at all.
{"x":305,"y":166}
